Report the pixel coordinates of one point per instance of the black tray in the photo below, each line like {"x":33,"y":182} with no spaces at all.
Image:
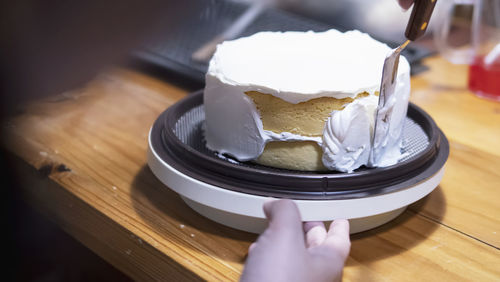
{"x":177,"y":137}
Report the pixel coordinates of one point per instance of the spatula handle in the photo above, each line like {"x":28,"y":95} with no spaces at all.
{"x":419,"y":19}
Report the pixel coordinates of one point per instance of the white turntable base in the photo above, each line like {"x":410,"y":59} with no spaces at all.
{"x":244,"y":211}
{"x":257,"y":225}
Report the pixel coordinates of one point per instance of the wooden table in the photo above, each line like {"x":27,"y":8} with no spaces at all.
{"x":82,"y":161}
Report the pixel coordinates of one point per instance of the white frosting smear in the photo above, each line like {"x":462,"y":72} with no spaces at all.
{"x":347,"y":135}
{"x":297,"y":67}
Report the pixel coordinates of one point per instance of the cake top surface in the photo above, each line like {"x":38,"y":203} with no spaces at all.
{"x":298,"y":66}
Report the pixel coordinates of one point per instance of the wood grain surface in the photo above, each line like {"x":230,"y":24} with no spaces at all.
{"x":82,"y":159}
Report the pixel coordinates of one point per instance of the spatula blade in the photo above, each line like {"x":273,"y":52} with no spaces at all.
{"x":385,"y":103}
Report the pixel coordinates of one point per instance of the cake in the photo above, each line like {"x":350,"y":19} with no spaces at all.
{"x":302,"y":100}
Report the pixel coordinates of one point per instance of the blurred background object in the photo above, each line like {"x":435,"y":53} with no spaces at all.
{"x":383,"y":19}
{"x":480,"y":19}
{"x":52,"y":46}
{"x":177,"y":51}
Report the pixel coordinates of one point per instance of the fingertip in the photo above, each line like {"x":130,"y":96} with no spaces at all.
{"x":252,"y":246}
{"x":315,"y":233}
{"x":276,"y":206}
{"x":340,"y":226}
{"x":405,"y":4}
{"x":268,"y":205}
{"x":283,"y":214}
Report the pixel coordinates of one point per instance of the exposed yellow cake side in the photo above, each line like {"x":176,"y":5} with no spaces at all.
{"x":301,"y":155}
{"x":306,"y":118}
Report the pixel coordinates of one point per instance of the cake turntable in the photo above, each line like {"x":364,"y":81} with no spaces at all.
{"x":232,"y":193}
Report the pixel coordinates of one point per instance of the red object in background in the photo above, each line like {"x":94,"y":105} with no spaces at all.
{"x":484,"y":80}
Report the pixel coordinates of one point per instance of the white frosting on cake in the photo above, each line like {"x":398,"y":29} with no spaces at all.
{"x":347,"y":135}
{"x":297,"y":67}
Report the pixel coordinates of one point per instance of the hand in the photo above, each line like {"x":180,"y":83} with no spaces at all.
{"x":291,"y":251}
{"x":405,"y":4}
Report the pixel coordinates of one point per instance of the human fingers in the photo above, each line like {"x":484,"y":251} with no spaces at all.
{"x":338,"y":237}
{"x":315,"y":233}
{"x":405,"y":4}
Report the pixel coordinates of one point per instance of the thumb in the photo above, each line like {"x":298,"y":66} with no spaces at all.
{"x":280,"y":249}
{"x":284,"y":219}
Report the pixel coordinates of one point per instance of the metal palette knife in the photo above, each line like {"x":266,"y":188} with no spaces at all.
{"x":419,"y":19}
